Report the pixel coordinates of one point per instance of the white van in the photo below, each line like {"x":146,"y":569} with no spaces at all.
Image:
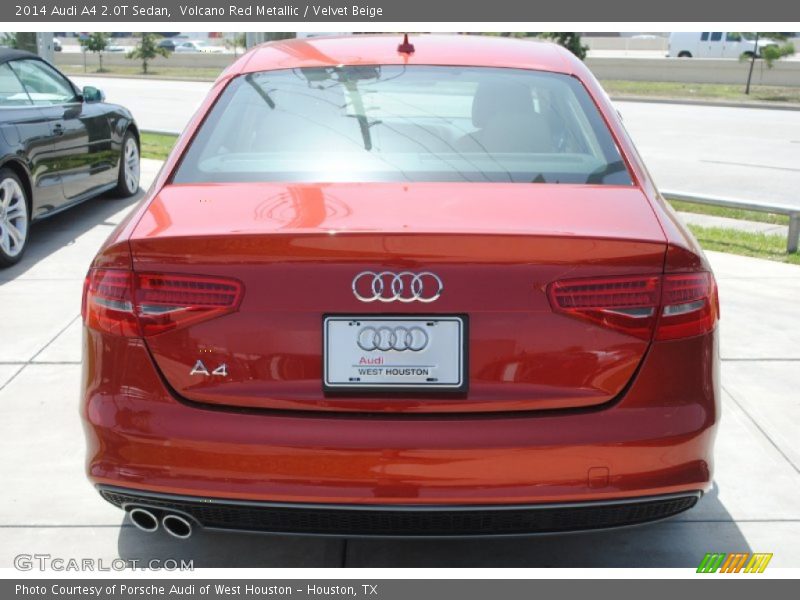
{"x":715,"y":44}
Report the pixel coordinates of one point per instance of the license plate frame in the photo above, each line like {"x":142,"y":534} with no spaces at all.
{"x":455,"y":380}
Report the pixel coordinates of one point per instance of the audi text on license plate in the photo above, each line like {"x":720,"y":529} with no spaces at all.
{"x":394,"y":352}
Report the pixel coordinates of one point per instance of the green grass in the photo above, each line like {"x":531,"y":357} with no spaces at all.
{"x":731,"y":213}
{"x":733,"y":241}
{"x":156,"y":145}
{"x":702,"y":91}
{"x":135,"y":70}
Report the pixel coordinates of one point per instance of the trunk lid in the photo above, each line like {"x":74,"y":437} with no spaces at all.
{"x":297,"y":248}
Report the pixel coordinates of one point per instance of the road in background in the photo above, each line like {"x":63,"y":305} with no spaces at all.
{"x":159,"y":104}
{"x":746,"y":153}
{"x":649,"y":54}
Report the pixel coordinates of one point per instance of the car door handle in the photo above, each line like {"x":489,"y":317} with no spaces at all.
{"x":58,"y":129}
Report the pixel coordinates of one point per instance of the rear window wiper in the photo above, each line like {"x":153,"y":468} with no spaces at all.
{"x":598,"y":175}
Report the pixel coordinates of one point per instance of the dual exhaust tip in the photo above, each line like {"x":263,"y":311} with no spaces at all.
{"x":174,"y":524}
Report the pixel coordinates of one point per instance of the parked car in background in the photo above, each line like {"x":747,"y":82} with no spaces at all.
{"x":59,"y":145}
{"x":715,"y":44}
{"x":57,"y":47}
{"x":392,"y":288}
{"x":169,"y":43}
{"x":198,"y":46}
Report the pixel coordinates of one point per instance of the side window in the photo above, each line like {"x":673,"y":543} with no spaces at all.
{"x":704,"y":36}
{"x":11,"y":91}
{"x":733,"y":37}
{"x":716,"y":36}
{"x":43,"y":83}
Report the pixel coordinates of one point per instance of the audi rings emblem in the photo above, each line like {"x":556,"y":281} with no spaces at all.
{"x":385,"y":338}
{"x":405,"y":286}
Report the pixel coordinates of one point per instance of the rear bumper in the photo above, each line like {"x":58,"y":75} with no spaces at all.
{"x":654,"y":441}
{"x":405,"y":521}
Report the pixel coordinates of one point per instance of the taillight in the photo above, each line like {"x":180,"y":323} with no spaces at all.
{"x":690,"y":305}
{"x":108,"y":302}
{"x":132,"y":304}
{"x":164,"y":302}
{"x":627,"y":304}
{"x":668,"y":307}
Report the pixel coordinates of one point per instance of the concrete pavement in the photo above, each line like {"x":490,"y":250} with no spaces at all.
{"x":49,"y":507}
{"x":744,"y":153}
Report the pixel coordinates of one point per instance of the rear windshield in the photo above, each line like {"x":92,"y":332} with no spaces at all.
{"x":404,"y":124}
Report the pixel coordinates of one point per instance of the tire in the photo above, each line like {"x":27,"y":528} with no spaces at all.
{"x":14,"y":218}
{"x":684,"y":54}
{"x":129,"y":167}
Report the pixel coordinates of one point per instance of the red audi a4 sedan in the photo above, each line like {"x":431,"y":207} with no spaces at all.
{"x":421,"y":289}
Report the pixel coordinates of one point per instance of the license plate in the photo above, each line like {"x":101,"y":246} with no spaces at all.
{"x":423,"y":353}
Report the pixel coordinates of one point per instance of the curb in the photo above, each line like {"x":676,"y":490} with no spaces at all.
{"x":717,"y":103}
{"x":161,"y":132}
{"x":747,"y":226}
{"x":145,"y":77}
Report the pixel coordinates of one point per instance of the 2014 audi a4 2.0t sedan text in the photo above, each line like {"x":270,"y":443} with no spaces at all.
{"x":401,"y":288}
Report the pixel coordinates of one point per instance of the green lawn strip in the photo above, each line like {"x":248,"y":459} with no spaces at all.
{"x":156,"y":145}
{"x":135,"y":70}
{"x":731,"y":213}
{"x":702,"y":91}
{"x":745,"y":243}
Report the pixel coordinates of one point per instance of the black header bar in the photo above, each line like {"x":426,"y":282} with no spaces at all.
{"x":439,"y":11}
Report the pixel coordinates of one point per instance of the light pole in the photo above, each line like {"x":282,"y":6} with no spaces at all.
{"x":752,"y":64}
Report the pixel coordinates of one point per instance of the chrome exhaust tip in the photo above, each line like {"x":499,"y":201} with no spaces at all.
{"x":144,"y":519}
{"x":177,"y":526}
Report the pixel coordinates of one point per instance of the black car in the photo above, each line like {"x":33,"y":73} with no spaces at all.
{"x":59,"y":146}
{"x":169,"y":44}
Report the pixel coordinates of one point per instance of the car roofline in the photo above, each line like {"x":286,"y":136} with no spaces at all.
{"x":430,"y":50}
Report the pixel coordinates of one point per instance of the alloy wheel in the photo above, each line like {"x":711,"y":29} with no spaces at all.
{"x":13,"y":217}
{"x":131,"y":165}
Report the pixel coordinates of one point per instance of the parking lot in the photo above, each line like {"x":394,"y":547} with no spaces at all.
{"x":49,"y":507}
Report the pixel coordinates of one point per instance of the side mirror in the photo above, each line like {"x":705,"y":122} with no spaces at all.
{"x":92,"y":94}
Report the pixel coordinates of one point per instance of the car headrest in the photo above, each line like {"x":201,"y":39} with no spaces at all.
{"x":498,"y":96}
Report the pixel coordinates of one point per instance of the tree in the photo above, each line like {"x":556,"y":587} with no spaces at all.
{"x":769,"y":54}
{"x":238,"y":40}
{"x":570,"y":40}
{"x":9,"y":40}
{"x":146,"y":50}
{"x":96,"y":42}
{"x":511,"y":34}
{"x":26,"y":40}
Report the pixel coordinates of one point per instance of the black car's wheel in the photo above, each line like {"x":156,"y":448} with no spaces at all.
{"x":14,"y":219}
{"x":129,"y":166}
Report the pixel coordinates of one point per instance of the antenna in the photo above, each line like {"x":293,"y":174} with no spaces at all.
{"x":406,"y":47}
